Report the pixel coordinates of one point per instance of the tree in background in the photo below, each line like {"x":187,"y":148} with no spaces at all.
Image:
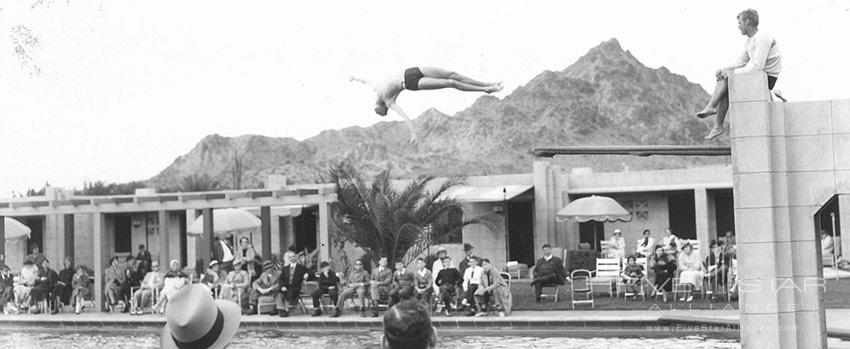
{"x":398,"y":224}
{"x":195,"y":182}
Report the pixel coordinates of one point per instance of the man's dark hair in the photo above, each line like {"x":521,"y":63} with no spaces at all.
{"x":142,"y":246}
{"x":446,"y":257}
{"x":407,"y":325}
{"x":750,"y":15}
{"x":646,"y":231}
{"x":324,"y":264}
{"x":547,"y":245}
{"x":399,"y":262}
{"x":475,"y":258}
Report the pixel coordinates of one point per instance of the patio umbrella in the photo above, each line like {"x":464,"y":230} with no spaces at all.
{"x":228,"y":220}
{"x":16,"y":230}
{"x":594,"y":208}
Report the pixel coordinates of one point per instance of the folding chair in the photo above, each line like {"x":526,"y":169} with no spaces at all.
{"x":580,"y":286}
{"x":554,"y":294}
{"x":606,"y":274}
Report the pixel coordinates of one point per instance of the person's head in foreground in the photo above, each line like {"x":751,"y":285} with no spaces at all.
{"x":399,"y":266}
{"x":467,"y":248}
{"x":174,"y":265}
{"x":244,"y":242}
{"x":748,"y":21}
{"x":194,"y":319}
{"x":547,"y":250}
{"x":631,"y":260}
{"x":325,"y":267}
{"x":141,"y":248}
{"x":659,"y":250}
{"x":618,"y":232}
{"x":292,"y":258}
{"x":358,"y":265}
{"x":441,"y":252}
{"x":420,"y":263}
{"x":447,"y":262}
{"x":383,"y":262}
{"x":408,"y":326}
{"x":687,"y":248}
{"x":473,"y":261}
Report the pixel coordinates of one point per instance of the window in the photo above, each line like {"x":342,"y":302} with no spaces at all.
{"x":447,"y":227}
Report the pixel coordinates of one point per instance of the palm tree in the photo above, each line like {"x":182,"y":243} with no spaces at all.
{"x":196,"y":182}
{"x":397,"y":224}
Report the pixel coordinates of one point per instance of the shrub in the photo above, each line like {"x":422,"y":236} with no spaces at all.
{"x":581,"y":259}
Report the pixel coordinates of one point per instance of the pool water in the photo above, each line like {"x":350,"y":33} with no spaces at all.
{"x":309,"y":340}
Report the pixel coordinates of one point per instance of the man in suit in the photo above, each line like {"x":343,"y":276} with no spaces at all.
{"x":382,"y":280}
{"x":223,"y":253}
{"x":144,"y":258}
{"x":464,"y":263}
{"x":403,"y":282}
{"x":289,"y":283}
{"x":328,"y":282}
{"x":548,"y":271}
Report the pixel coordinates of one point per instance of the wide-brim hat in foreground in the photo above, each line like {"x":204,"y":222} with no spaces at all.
{"x":195,"y":320}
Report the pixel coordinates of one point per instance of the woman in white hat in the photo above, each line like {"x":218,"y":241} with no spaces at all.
{"x":195,"y":320}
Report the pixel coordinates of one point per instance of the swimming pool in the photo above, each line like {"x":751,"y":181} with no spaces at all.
{"x":120,"y":339}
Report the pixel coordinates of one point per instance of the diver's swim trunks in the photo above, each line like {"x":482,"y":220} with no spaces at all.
{"x":411,"y":78}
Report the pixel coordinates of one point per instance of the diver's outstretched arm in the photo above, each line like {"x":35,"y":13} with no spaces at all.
{"x":407,"y":121}
{"x":364,"y":82}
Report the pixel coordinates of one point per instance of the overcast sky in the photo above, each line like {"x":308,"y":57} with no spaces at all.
{"x":116,"y":90}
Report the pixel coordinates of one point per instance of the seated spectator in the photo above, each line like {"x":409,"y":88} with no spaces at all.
{"x":423,"y":283}
{"x":172,"y":282}
{"x":236,"y":285}
{"x":212,"y":276}
{"x":645,"y":244}
{"x":548,"y":271}
{"x":45,"y":283}
{"x":81,"y":285}
{"x":36,"y":255}
{"x":402,"y":287}
{"x":729,"y":245}
{"x":717,"y":265}
{"x":827,"y":246}
{"x":493,"y":287}
{"x":662,"y":268}
{"x":289,"y":284}
{"x":690,"y":272}
{"x":328,"y":282}
{"x":617,"y":245}
{"x":153,"y":281}
{"x":632,"y":275}
{"x":25,"y":283}
{"x":471,"y":280}
{"x":449,"y":280}
{"x":113,"y":277}
{"x":356,"y":282}
{"x":7,"y":287}
{"x":670,"y":242}
{"x":132,"y":279}
{"x":408,"y":326}
{"x":265,"y":285}
{"x":381,"y":283}
{"x":62,"y":290}
{"x":437,"y":266}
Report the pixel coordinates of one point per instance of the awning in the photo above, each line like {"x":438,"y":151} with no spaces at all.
{"x":486,"y":193}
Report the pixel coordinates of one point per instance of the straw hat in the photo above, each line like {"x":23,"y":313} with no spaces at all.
{"x":195,"y":320}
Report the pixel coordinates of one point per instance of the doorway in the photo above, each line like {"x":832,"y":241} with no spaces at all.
{"x":36,"y":225}
{"x":306,"y":228}
{"x":592,"y":232}
{"x":682,"y":216}
{"x":520,"y":226}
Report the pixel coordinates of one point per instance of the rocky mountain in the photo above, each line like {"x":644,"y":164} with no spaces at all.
{"x":607,"y":97}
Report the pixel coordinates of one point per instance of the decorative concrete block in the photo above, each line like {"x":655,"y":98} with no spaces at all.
{"x":809,"y":153}
{"x":754,"y":268}
{"x":749,"y":87}
{"x":763,"y":224}
{"x":811,"y":329}
{"x":804,"y":255}
{"x":809,"y":293}
{"x":760,"y":190}
{"x":801,"y":223}
{"x":808,"y":118}
{"x":842,"y":181}
{"x":810,"y":188}
{"x":758,"y":154}
{"x":841,"y":142}
{"x":760,"y":330}
{"x":841,"y":116}
{"x":750,"y":119}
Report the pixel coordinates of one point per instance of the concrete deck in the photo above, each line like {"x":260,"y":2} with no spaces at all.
{"x":716,"y":321}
